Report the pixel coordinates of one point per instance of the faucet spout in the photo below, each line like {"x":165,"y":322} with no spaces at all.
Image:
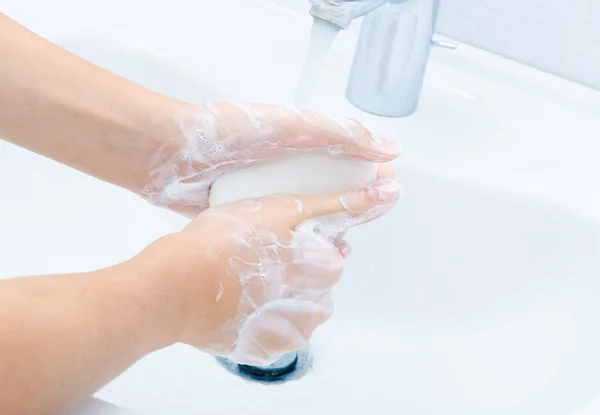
{"x":392,"y":50}
{"x":391,"y":58}
{"x":342,"y":12}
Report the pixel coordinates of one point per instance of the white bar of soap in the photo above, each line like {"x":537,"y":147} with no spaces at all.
{"x":301,"y":174}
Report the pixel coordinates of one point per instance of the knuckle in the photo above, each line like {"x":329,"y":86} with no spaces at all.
{"x":357,"y":201}
{"x":324,"y":314}
{"x":325,"y":317}
{"x":361,"y":133}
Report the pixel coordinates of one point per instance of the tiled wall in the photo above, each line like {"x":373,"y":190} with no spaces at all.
{"x":559,"y":36}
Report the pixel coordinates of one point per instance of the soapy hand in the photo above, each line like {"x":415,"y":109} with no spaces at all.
{"x":256,"y":276}
{"x":216,"y":138}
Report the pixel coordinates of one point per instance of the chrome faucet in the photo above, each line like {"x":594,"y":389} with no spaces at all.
{"x":392,"y":51}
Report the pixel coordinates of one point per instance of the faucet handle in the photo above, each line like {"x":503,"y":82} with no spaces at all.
{"x":341,"y":13}
{"x":444,"y":44}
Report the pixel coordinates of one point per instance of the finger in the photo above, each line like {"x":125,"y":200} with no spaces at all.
{"x":370,"y":147}
{"x":277,"y":130}
{"x":380,"y":193}
{"x":315,"y":270}
{"x":343,"y":247}
{"x":283,"y":326}
{"x":348,"y":137}
{"x":385,"y":170}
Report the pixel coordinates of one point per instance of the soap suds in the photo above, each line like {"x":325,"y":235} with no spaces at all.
{"x":287,"y":282}
{"x":220,"y":293}
{"x":218,"y":138}
{"x":285,"y":277}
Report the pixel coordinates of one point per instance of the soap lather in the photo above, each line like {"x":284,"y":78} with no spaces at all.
{"x":302,"y":174}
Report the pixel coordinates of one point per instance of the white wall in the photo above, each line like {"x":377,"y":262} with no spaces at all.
{"x":559,"y":36}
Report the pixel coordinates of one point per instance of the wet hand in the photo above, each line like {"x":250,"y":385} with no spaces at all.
{"x":217,"y":138}
{"x":255,"y":278}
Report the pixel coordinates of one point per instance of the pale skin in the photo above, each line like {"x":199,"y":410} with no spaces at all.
{"x":62,"y":337}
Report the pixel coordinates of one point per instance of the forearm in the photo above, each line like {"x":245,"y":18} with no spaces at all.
{"x":56,"y":104}
{"x":63,"y":337}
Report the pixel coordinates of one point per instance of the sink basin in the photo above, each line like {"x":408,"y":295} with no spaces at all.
{"x":461,"y":301}
{"x":477,"y":295}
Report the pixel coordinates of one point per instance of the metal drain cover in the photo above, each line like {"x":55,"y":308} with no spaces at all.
{"x":282,"y":367}
{"x":291,"y":366}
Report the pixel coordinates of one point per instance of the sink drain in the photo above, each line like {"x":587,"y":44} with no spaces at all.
{"x":282,"y":367}
{"x":291,"y":366}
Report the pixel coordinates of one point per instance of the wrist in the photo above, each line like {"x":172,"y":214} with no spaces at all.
{"x":180,"y":283}
{"x":156,"y":292}
{"x":153,"y":137}
{"x":164,"y":162}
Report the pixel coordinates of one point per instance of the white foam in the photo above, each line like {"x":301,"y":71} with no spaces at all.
{"x":296,"y":293}
{"x":222,"y":138}
{"x":286,"y":276}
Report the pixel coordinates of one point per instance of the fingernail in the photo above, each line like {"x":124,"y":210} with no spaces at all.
{"x":345,"y":250}
{"x":389,"y":145}
{"x":386,"y":190}
{"x":343,"y":246}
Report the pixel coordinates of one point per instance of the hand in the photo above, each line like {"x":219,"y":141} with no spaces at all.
{"x":255,"y":277}
{"x":216,"y":138}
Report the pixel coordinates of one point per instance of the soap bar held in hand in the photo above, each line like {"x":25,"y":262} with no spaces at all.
{"x":302,"y":174}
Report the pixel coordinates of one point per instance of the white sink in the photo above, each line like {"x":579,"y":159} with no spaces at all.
{"x":469,"y":299}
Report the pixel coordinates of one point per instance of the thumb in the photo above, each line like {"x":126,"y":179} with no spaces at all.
{"x":353,"y":207}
